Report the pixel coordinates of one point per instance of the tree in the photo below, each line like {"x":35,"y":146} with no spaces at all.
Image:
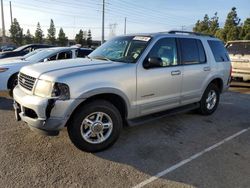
{"x":89,"y":39}
{"x":28,"y":38}
{"x":214,"y":24}
{"x":38,"y":34}
{"x":51,"y":33}
{"x":202,"y":26}
{"x":16,"y":32}
{"x":207,"y":25}
{"x":62,"y":40}
{"x":80,"y":38}
{"x":231,"y":25}
{"x":245,"y":31}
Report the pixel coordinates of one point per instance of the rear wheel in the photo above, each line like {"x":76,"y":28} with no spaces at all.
{"x":95,"y":126}
{"x":210,"y":100}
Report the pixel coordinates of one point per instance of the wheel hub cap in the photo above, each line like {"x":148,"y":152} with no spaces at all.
{"x":96,"y":127}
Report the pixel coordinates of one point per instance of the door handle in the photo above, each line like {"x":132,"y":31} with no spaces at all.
{"x":177,"y":72}
{"x":206,"y":68}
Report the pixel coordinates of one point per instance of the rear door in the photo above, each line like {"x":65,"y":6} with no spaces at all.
{"x":195,"y":69}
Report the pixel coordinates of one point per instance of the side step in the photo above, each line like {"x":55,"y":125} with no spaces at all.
{"x":159,"y":115}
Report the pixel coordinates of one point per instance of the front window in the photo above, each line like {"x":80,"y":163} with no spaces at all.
{"x":125,"y":49}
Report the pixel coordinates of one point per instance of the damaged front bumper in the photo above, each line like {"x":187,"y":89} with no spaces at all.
{"x":43,"y":115}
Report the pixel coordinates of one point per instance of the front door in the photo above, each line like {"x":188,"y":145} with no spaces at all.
{"x":158,"y":88}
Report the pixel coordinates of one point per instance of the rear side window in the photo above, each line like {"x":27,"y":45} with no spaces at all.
{"x":219,"y":51}
{"x":192,"y":51}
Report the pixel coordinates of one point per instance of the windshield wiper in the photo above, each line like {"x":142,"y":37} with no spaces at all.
{"x":101,"y":58}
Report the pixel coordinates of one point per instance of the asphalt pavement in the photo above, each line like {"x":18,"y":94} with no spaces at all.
{"x":215,"y":150}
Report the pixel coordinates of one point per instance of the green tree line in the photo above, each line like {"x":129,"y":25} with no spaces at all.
{"x":19,"y":38}
{"x":233,"y":28}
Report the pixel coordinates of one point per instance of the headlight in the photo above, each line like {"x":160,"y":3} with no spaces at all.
{"x":3,"y":69}
{"x":43,"y":88}
{"x":48,"y":89}
{"x":61,"y":91}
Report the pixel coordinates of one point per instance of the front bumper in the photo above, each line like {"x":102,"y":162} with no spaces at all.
{"x":46,"y":116}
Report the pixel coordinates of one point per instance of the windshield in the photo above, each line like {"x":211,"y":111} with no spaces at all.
{"x":31,"y":53}
{"x":37,"y":57}
{"x":239,"y":48}
{"x":21,"y":48}
{"x":122,"y":49}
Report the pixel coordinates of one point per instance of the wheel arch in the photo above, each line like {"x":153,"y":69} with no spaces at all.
{"x":10,"y":79}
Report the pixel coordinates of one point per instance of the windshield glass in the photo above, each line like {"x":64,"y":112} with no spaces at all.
{"x":21,"y":48}
{"x":31,"y":53}
{"x":37,"y":57}
{"x":239,"y":48}
{"x":122,"y":49}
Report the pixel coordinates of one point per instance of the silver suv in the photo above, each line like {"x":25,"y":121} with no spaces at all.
{"x":126,"y":78}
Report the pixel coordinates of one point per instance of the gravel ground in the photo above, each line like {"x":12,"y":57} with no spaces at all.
{"x":28,"y":159}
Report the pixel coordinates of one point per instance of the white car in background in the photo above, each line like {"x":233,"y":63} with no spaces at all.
{"x":9,"y":69}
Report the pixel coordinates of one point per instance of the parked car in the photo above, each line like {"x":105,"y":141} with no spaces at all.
{"x":9,"y":69}
{"x":239,"y":52}
{"x":7,"y":47}
{"x":125,"y":79}
{"x":21,"y":57}
{"x":23,"y":50}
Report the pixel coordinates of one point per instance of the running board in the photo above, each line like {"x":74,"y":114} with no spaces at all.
{"x":159,"y":115}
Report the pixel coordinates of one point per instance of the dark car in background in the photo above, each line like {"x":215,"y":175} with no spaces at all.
{"x":7,"y":47}
{"x":23,"y":50}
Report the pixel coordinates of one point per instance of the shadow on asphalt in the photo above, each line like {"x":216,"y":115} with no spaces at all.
{"x":6,"y":103}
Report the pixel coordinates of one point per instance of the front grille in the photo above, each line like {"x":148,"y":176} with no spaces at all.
{"x":26,"y":81}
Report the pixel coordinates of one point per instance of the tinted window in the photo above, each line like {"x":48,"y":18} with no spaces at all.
{"x":166,"y":50}
{"x":192,"y":51}
{"x":219,"y":51}
{"x":83,"y":52}
{"x":239,"y":48}
{"x":65,"y":55}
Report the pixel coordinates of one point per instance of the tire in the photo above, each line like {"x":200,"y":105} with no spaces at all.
{"x":87,"y":133}
{"x":207,"y":107}
{"x":12,"y":84}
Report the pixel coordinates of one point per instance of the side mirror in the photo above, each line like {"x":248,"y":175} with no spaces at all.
{"x":45,"y":60}
{"x":152,"y":62}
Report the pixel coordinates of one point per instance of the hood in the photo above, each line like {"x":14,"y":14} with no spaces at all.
{"x":11,"y":62}
{"x":54,"y":70}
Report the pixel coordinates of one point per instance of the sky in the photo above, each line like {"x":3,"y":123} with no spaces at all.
{"x":142,"y":15}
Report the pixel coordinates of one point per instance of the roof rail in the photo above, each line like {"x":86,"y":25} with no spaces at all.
{"x":189,"y":32}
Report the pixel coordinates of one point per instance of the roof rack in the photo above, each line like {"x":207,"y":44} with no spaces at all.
{"x":189,"y":32}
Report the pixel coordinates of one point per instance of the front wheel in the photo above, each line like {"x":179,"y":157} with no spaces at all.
{"x":210,"y":100}
{"x":95,"y":126}
{"x":12,"y":84}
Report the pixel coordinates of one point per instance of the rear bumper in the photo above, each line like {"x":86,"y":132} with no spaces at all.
{"x":46,"y":116}
{"x":244,"y":74}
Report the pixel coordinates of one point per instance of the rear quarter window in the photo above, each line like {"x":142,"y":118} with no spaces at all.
{"x":218,"y":50}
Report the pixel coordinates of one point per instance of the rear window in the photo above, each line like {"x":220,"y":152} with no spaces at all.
{"x":239,"y":48}
{"x":192,"y":51}
{"x":219,"y":51}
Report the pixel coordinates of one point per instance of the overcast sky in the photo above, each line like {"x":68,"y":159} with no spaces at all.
{"x":142,"y":15}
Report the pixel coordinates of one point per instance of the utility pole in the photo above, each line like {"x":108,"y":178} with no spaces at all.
{"x":11,"y":14}
{"x":125,"y":26}
{"x":103,"y":10}
{"x":3,"y":26}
